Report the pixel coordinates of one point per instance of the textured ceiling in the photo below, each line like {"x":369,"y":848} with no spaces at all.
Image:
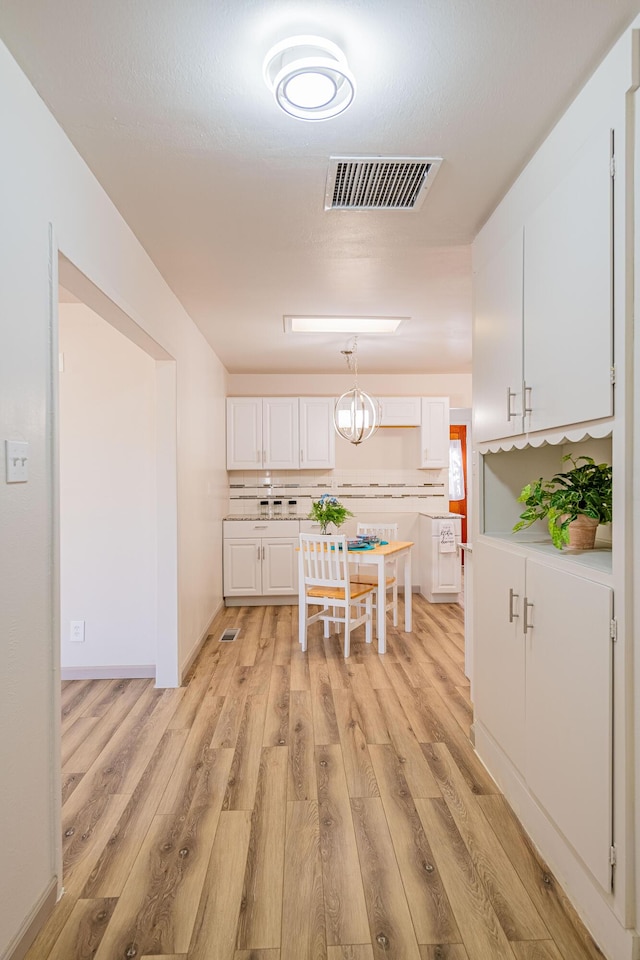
{"x":167,"y":104}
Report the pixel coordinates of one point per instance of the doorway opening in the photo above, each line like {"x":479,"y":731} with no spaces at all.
{"x":460,"y":434}
{"x":117,"y":488}
{"x":458,"y":486}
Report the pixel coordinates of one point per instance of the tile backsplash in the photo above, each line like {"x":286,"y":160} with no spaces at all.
{"x":362,"y":487}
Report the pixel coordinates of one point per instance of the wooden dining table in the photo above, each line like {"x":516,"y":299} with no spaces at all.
{"x":399,"y":550}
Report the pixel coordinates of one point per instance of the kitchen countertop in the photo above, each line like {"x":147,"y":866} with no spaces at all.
{"x":434,"y":515}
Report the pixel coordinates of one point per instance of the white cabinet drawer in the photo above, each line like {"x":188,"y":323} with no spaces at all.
{"x":312,"y":526}
{"x":239,"y":529}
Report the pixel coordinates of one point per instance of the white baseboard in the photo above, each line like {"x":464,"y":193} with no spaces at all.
{"x":31,"y":926}
{"x":146,"y":671}
{"x":286,"y":601}
{"x":198,"y":646}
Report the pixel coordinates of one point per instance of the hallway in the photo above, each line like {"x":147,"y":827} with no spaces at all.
{"x":289,"y":806}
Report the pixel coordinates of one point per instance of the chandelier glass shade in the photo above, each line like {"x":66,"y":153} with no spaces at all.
{"x":356,"y":415}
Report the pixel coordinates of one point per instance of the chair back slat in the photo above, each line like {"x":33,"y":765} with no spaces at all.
{"x":386,"y":531}
{"x":323,"y":560}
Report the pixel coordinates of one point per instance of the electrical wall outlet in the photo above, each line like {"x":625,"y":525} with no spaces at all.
{"x":17,"y":459}
{"x":77,"y":631}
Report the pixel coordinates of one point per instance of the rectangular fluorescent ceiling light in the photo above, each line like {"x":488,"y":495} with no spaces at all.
{"x":387,"y":325}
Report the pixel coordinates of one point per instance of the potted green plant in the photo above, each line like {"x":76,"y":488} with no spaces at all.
{"x":573,"y":502}
{"x":328,"y":510}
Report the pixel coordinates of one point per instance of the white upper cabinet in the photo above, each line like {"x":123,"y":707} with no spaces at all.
{"x":434,"y":433}
{"x":400,"y":411}
{"x":543,"y":317}
{"x":317,"y":434}
{"x":262,"y":433}
{"x":244,"y":433}
{"x":568,"y":283}
{"x":497,"y":346}
{"x":280,"y":433}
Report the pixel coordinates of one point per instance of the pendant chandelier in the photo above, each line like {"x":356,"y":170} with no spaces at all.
{"x":356,"y":415}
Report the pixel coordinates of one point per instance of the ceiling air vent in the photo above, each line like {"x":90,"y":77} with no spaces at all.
{"x":379,"y":183}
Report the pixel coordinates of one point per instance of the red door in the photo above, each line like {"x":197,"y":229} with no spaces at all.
{"x":459,"y":432}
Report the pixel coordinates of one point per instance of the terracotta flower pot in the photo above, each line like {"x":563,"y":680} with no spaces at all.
{"x":582,"y":533}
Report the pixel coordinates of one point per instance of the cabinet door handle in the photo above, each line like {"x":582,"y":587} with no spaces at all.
{"x":301,"y":455}
{"x":258,"y":553}
{"x":526,"y":623}
{"x":512,"y":614}
{"x":510,"y":413}
{"x":527,"y":406}
{"x":263,"y":549}
{"x":258,"y":457}
{"x":264,"y":457}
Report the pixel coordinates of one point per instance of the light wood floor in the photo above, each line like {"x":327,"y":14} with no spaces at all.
{"x":290,"y":806}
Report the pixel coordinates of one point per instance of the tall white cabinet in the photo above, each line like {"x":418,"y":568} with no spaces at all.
{"x":553,"y":639}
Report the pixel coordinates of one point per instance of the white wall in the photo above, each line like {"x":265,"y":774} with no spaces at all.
{"x":456,"y":386}
{"x":108,"y":552}
{"x":44,"y":182}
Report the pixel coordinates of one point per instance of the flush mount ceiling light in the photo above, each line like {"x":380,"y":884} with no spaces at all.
{"x":356,"y":415}
{"x":309,"y":77}
{"x":386,"y":325}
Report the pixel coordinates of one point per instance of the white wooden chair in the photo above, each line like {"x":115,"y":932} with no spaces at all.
{"x":388,"y":532}
{"x":324,"y":581}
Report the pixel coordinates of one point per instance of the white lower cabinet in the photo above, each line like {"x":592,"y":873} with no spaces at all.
{"x":543,"y":689}
{"x":260,"y":559}
{"x":440,"y":570}
{"x":280,"y":566}
{"x":499,"y":654}
{"x":242,"y":567}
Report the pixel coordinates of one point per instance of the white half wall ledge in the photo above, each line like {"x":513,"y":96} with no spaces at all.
{"x":146,"y":671}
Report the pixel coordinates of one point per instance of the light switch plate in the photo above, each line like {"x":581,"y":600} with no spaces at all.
{"x":17,"y":460}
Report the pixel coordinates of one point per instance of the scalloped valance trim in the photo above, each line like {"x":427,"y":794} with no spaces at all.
{"x":590,"y":431}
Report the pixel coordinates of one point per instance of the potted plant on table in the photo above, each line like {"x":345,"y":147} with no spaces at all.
{"x":328,"y":510}
{"x":573,"y":503}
